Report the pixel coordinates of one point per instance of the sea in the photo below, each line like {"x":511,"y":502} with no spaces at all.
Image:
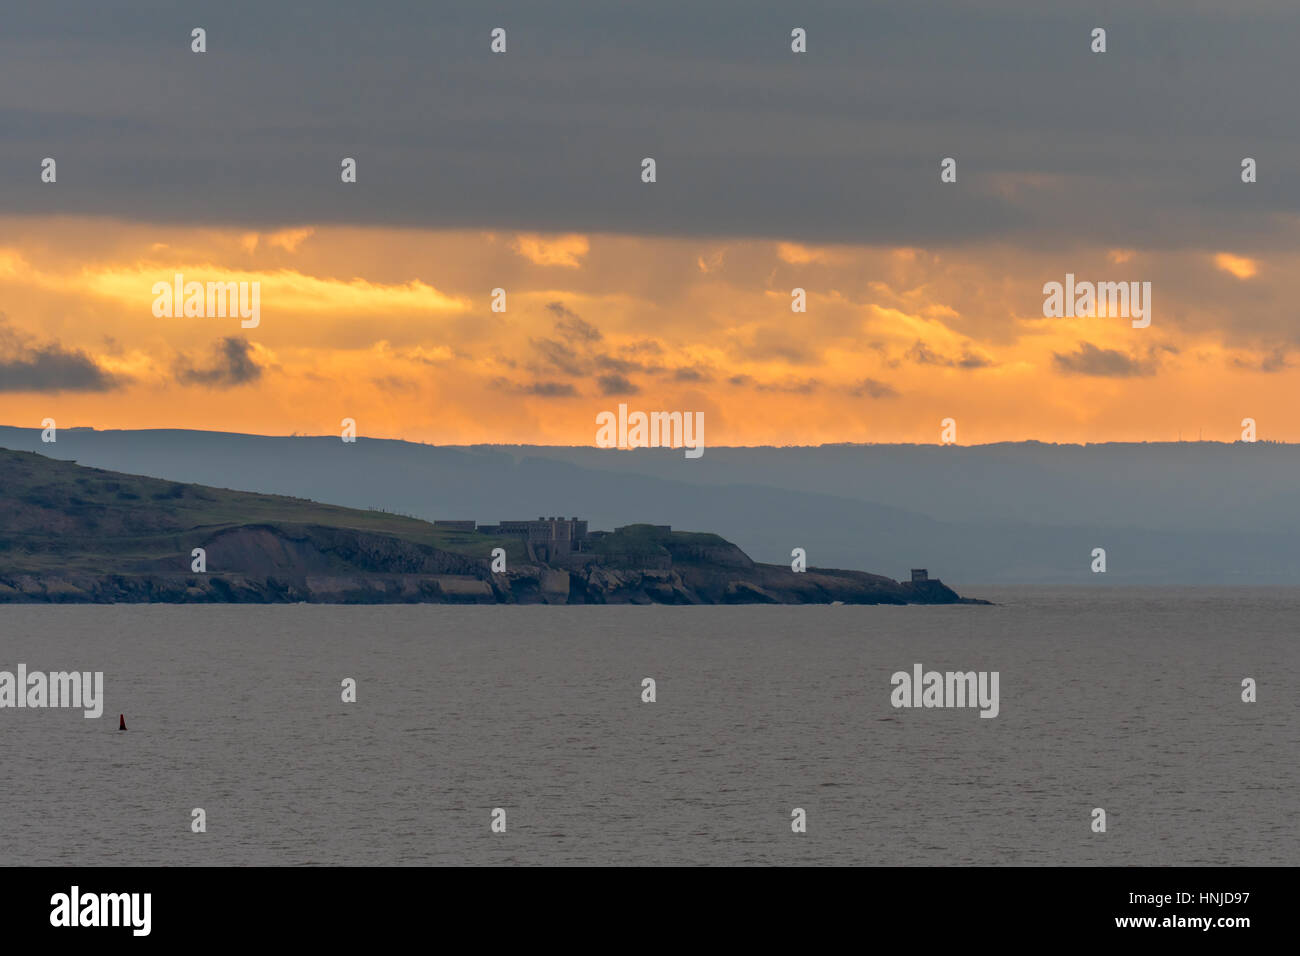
{"x":509,"y":735}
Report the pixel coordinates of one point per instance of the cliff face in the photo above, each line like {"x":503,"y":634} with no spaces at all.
{"x":269,"y":564}
{"x":528,"y":585}
{"x":78,"y":535}
{"x":758,"y":584}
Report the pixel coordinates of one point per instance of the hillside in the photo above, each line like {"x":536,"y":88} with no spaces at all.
{"x":69,"y":533}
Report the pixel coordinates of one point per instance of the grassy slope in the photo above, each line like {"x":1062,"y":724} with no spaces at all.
{"x":645,"y":538}
{"x":57,"y":515}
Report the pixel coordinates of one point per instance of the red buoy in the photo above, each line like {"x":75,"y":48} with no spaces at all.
{"x":121,"y":721}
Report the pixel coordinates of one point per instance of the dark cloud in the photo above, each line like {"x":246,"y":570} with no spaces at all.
{"x":1271,"y":361}
{"x":616,"y":385}
{"x":551,"y":389}
{"x":392,"y":383}
{"x":795,"y":387}
{"x":691,"y":375}
{"x":25,"y":367}
{"x":922,"y":354}
{"x":1103,"y":363}
{"x":971,"y":359}
{"x":1053,"y":143}
{"x":558,"y":356}
{"x":413,"y":355}
{"x":871,"y":388}
{"x":232,"y":364}
{"x":579,"y":355}
{"x":571,"y":326}
{"x":539,"y":389}
{"x":623,"y":366}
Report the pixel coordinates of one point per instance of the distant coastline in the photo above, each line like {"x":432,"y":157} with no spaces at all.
{"x":1011,"y":514}
{"x":72,"y":534}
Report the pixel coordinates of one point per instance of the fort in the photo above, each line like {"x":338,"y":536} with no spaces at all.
{"x":545,"y":539}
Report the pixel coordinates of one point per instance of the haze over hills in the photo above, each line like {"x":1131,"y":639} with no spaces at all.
{"x":1166,"y":513}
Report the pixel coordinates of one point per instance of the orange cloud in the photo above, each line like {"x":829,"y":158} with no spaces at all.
{"x":394,"y":327}
{"x":566,"y":251}
{"x":1239,"y":266}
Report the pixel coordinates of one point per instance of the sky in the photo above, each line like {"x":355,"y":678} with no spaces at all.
{"x":775,"y":170}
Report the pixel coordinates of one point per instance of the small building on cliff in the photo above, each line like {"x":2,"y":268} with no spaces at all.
{"x":545,"y":539}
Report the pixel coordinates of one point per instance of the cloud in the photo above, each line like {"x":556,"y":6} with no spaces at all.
{"x":768,"y":343}
{"x":798,"y":255}
{"x":571,"y":326}
{"x":552,"y":152}
{"x":614,"y":384}
{"x":1239,"y":266}
{"x":559,"y":356}
{"x":551,"y":389}
{"x":49,"y":367}
{"x":691,"y":375}
{"x":392,"y":383}
{"x":1272,"y":361}
{"x":971,"y":359}
{"x":871,"y":388}
{"x":614,"y":364}
{"x":793,"y":386}
{"x":290,"y":290}
{"x":566,"y":251}
{"x":656,"y":323}
{"x":577,"y":356}
{"x":287,"y":239}
{"x":922,"y":354}
{"x":1103,"y":363}
{"x":232,"y":364}
{"x":711,"y":262}
{"x":54,"y":369}
{"x":560,"y":310}
{"x":649,"y":346}
{"x":432,"y":355}
{"x":538,"y":389}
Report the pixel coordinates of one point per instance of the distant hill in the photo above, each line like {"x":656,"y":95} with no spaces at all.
{"x":1190,"y":513}
{"x":70,"y":533}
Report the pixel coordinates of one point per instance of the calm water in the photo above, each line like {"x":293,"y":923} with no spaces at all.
{"x":1127,"y":700}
